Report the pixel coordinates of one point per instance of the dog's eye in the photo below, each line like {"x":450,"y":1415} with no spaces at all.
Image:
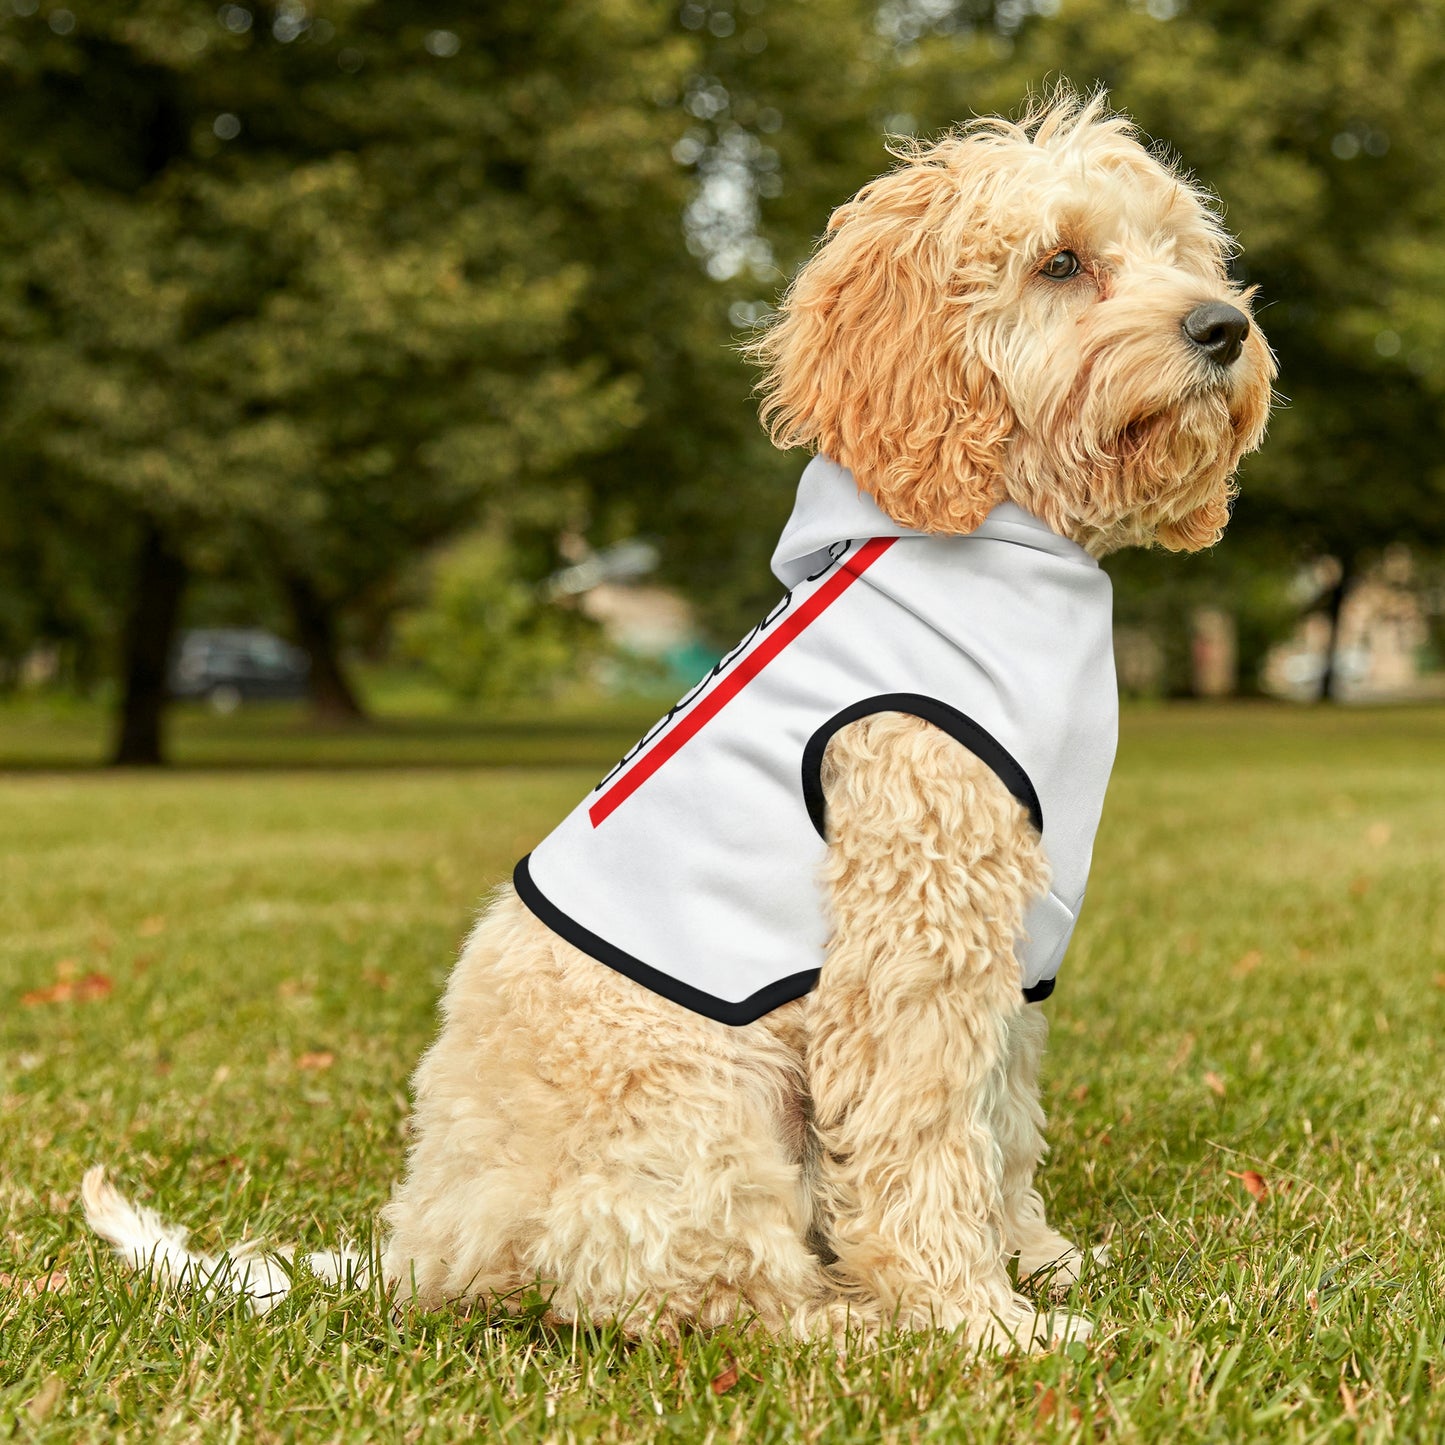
{"x":1060,"y":266}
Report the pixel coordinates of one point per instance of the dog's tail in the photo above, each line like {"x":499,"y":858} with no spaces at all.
{"x":147,"y":1243}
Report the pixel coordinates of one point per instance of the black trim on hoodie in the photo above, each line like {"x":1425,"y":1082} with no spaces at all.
{"x":745,"y":1011}
{"x":981,"y":743}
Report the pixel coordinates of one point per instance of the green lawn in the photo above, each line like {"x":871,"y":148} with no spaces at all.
{"x":1258,"y":984}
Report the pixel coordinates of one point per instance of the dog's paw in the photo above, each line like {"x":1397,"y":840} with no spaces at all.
{"x":1057,"y":1268}
{"x":1023,"y":1326}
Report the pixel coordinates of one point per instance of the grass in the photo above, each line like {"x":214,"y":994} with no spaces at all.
{"x":230,"y":972}
{"x":409,"y":729}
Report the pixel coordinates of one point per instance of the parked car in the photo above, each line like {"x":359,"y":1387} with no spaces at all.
{"x":230,"y":665}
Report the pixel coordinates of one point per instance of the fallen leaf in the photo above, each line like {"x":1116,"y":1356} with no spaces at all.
{"x":1359,"y":886}
{"x":724,"y":1382}
{"x":56,"y":993}
{"x":151,"y":927}
{"x":1248,"y":963}
{"x":56,"y":1282}
{"x":320,"y":1059}
{"x":1214,"y":1083}
{"x":1047,"y":1408}
{"x":1254,"y":1182}
{"x":1440,"y":980}
{"x":377,"y":978}
{"x":1080,"y":1094}
{"x":83,"y":990}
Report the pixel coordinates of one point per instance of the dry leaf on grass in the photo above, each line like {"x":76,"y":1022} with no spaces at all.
{"x":320,"y":1059}
{"x":724,"y":1382}
{"x":1440,"y":980}
{"x":56,"y":1282}
{"x":1046,"y":1408}
{"x":377,"y":978}
{"x":1248,"y":963}
{"x":66,"y":990}
{"x":1214,"y":1083}
{"x":1254,"y":1183}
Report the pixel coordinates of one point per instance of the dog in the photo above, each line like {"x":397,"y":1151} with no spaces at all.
{"x":813,"y":1104}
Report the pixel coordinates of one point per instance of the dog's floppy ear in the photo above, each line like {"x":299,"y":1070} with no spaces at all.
{"x":872,"y":358}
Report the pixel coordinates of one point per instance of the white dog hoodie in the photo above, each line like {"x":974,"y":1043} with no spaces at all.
{"x":693,"y":867}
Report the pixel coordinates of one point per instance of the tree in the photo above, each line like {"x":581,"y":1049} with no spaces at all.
{"x":778,"y":117}
{"x":308,"y":285}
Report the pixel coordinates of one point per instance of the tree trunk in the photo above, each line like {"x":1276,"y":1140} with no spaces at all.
{"x":333,"y":699}
{"x":1329,"y":679}
{"x":150,"y":631}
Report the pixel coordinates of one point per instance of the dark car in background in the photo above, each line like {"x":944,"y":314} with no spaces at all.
{"x":227,"y":666}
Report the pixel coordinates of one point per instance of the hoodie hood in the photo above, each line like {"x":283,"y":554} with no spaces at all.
{"x":830,"y":508}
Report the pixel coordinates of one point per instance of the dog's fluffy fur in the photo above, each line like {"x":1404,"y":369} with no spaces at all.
{"x":864,"y":1156}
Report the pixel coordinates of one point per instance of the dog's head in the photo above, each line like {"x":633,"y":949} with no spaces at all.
{"x":1036,"y":311}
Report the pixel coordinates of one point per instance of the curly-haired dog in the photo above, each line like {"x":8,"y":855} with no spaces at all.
{"x":738,"y":1070}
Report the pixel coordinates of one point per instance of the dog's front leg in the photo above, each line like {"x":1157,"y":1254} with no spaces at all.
{"x":1019,"y":1127}
{"x":930,"y":867}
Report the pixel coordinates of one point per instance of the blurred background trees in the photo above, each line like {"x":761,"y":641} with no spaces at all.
{"x":292,"y":295}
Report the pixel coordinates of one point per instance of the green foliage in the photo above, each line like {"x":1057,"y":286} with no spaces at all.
{"x":776,"y":119}
{"x":310,"y":285}
{"x":1254,"y":868}
{"x":316,"y":287}
{"x":485,"y":633}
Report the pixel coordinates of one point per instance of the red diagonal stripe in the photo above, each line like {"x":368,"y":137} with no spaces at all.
{"x":739,"y":676}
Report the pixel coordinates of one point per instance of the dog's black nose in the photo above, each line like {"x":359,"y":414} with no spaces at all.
{"x":1218,"y":331}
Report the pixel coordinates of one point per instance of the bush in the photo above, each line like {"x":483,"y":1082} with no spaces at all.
{"x":485,"y":632}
